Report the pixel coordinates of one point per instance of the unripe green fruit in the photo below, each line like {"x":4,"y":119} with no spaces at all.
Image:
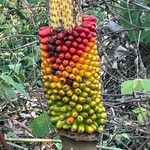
{"x":86,"y":107}
{"x":72,"y":104}
{"x":74,"y":113}
{"x":89,"y":129}
{"x":81,"y":128}
{"x":84,"y":114}
{"x":81,"y":100}
{"x":66,"y":126}
{"x":88,"y":121}
{"x":74,"y":97}
{"x":79,"y":119}
{"x":79,"y":107}
{"x":60,"y":124}
{"x":91,"y":111}
{"x":74,"y":126}
{"x":94,"y":117}
{"x":54,"y":119}
{"x":65,"y":99}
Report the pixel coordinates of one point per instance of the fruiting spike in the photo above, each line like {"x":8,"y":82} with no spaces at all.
{"x":71,"y":69}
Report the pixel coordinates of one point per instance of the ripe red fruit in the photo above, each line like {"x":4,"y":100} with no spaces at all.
{"x":70,"y":37}
{"x":52,"y":59}
{"x":78,"y":29}
{"x":45,"y":40}
{"x":75,"y":33}
{"x":45,"y":31}
{"x":64,"y":48}
{"x":78,"y":40}
{"x":55,"y":66}
{"x":58,"y":61}
{"x":81,"y":46}
{"x":83,"y":35}
{"x":85,"y":41}
{"x":89,"y":18}
{"x":74,"y":44}
{"x":68,"y":56}
{"x":61,"y":35}
{"x":61,"y":55}
{"x":72,"y":50}
{"x":65,"y":62}
{"x":58,"y":42}
{"x":86,"y":30}
{"x":68,"y":43}
{"x":69,"y":31}
{"x":79,"y":52}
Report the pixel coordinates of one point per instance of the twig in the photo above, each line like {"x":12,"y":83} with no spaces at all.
{"x":32,"y":140}
{"x":17,"y":146}
{"x":26,"y":45}
{"x":3,"y":141}
{"x":142,"y":146}
{"x":132,"y":101}
{"x":114,"y":135}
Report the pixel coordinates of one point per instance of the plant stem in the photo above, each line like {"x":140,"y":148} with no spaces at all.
{"x":32,"y":140}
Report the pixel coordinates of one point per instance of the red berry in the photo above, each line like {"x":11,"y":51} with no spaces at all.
{"x":61,"y":35}
{"x":79,"y":40}
{"x":68,"y":56}
{"x":83,"y":35}
{"x":89,"y":36}
{"x":70,"y":37}
{"x":93,"y":34}
{"x":72,"y":50}
{"x":86,"y":30}
{"x":58,"y":61}
{"x":45,"y":40}
{"x":65,"y":62}
{"x":79,"y":52}
{"x":45,"y":31}
{"x":68,"y":43}
{"x":69,"y":31}
{"x":61,"y":55}
{"x":81,"y":46}
{"x":58,"y":42}
{"x":64,"y":48}
{"x":78,"y":29}
{"x":55,"y":66}
{"x":74,"y":44}
{"x":85,"y":41}
{"x":75,"y":33}
{"x":53,"y":59}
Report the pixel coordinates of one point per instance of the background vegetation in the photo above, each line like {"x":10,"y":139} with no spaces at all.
{"x":124,"y":45}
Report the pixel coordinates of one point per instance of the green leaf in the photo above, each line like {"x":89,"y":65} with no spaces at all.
{"x":15,"y":67}
{"x":138,"y":110}
{"x":41,"y":125}
{"x":59,"y":146}
{"x":137,"y":85}
{"x":19,"y":87}
{"x":8,"y":90}
{"x":142,"y":118}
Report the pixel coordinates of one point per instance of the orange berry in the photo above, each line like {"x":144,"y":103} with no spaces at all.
{"x":68,"y":69}
{"x":65,"y":74}
{"x":75,"y":71}
{"x":70,"y":119}
{"x":65,"y":62}
{"x":72,"y":76}
{"x":71,"y":64}
{"x":75,"y":58}
{"x":61,"y":67}
{"x":87,"y":48}
{"x":81,"y":60}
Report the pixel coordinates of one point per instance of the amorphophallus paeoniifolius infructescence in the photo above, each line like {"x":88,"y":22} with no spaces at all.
{"x":71,"y":69}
